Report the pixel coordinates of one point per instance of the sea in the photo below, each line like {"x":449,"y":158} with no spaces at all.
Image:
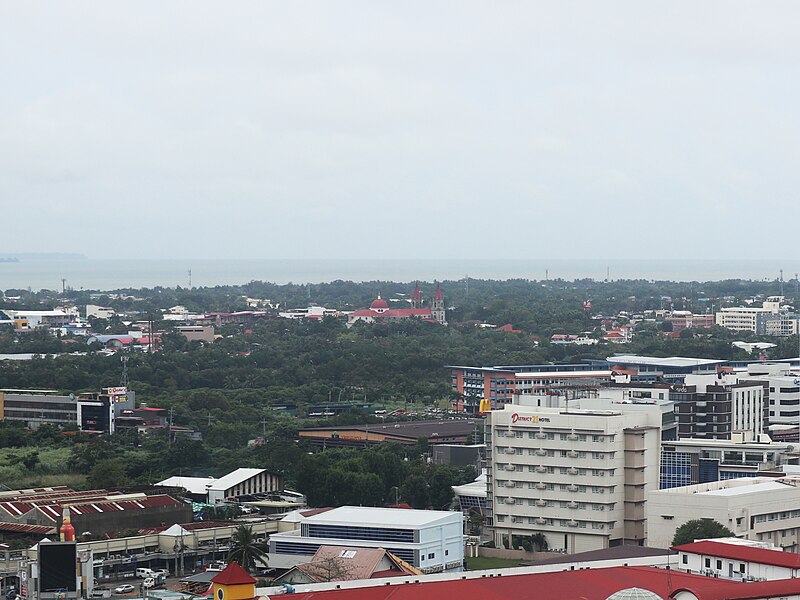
{"x":105,"y":274}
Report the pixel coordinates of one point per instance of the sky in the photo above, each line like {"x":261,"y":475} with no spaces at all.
{"x":379,"y":129}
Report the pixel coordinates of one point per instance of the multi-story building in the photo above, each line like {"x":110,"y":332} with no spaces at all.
{"x":755,"y":508}
{"x":769,"y":319}
{"x":430,"y":540}
{"x":497,"y":384}
{"x":784,"y":391}
{"x":712,"y":407}
{"x":691,"y":461}
{"x":34,"y":319}
{"x":37,"y":407}
{"x":98,"y":412}
{"x":685,"y":319}
{"x":579,"y":477}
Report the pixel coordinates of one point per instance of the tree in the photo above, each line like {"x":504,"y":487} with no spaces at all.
{"x":107,"y":473}
{"x":539,"y":542}
{"x":30,"y":460}
{"x":700,"y":529}
{"x":331,"y":568}
{"x":245,"y":550}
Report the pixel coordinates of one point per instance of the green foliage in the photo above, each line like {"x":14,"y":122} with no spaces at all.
{"x":107,"y":473}
{"x":374,"y":476}
{"x":244,"y":549}
{"x":699,"y":529}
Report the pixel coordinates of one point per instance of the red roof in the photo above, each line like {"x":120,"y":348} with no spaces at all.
{"x":438,"y":293}
{"x":416,"y":295}
{"x":233,"y":574}
{"x":762,"y":556}
{"x":379,"y":303}
{"x":780,"y":588}
{"x":589,"y":584}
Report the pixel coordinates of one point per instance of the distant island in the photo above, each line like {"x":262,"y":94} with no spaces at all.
{"x":25,"y":256}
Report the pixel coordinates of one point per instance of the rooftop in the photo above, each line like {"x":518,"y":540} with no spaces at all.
{"x":671,"y":361}
{"x":735,"y":487}
{"x":790,"y":560}
{"x":234,"y":478}
{"x":383,"y":517}
{"x":589,"y":584}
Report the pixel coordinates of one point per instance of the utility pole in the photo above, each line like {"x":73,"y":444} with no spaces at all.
{"x":169,"y":430}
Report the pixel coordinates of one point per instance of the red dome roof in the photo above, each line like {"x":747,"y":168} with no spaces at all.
{"x":379,"y":303}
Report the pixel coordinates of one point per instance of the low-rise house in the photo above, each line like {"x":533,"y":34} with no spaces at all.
{"x":742,"y":562}
{"x":347,"y":563}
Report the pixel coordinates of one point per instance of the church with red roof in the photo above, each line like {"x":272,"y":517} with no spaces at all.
{"x":380,"y":311}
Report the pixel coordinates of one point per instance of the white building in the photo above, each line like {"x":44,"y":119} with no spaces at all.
{"x":727,"y":559}
{"x":312,"y":312}
{"x":430,"y":540}
{"x":241,"y":482}
{"x":755,"y":508}
{"x":784,"y":391}
{"x":99,"y":312}
{"x":770,"y":319}
{"x":32,"y":319}
{"x":580,"y":477}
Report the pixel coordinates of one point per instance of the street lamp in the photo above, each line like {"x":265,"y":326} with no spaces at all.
{"x":396,"y":494}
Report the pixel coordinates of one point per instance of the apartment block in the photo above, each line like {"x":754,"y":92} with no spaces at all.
{"x":580,"y":477}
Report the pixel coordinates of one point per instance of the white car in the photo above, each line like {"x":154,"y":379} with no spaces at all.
{"x":124,"y":589}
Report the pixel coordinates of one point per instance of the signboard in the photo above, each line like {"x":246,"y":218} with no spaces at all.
{"x":116,"y":391}
{"x":58,"y":570}
{"x":528,"y":419}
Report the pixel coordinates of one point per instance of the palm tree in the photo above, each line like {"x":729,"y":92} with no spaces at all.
{"x":539,"y":541}
{"x":245,"y":550}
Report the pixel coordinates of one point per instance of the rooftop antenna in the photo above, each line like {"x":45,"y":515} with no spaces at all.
{"x":123,"y":381}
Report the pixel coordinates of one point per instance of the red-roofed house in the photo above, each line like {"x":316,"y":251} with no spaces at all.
{"x":739,"y":561}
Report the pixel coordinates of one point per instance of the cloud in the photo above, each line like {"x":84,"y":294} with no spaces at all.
{"x":319,"y":129}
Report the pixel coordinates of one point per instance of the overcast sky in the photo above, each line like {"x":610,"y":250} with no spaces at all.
{"x":400,"y":129}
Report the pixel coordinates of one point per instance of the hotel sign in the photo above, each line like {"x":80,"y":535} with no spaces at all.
{"x":528,"y":419}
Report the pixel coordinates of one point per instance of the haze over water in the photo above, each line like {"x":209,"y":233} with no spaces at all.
{"x":114,"y":274}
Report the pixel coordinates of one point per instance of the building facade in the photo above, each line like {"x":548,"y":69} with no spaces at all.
{"x":692,"y":461}
{"x":713,"y":410}
{"x":578,"y":477}
{"x":431,"y":541}
{"x":754,"y":508}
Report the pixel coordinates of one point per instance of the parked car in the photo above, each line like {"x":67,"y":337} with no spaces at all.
{"x":124,"y":589}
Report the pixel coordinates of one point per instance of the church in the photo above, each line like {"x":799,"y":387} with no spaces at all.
{"x":380,"y":312}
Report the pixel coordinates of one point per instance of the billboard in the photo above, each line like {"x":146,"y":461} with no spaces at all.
{"x":58,"y":570}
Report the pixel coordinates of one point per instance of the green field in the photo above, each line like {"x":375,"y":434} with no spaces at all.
{"x":479,"y":563}
{"x":49,"y":470}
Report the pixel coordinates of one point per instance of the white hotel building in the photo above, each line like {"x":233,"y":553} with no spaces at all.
{"x":580,"y":477}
